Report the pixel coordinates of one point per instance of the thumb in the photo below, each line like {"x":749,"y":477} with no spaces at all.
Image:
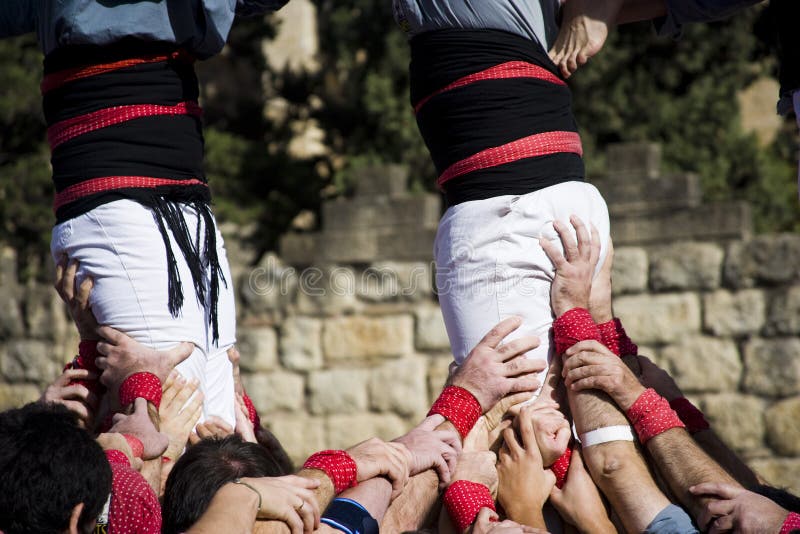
{"x":485,"y":515}
{"x":430,"y":423}
{"x":575,"y":461}
{"x":140,"y":406}
{"x":177,"y":354}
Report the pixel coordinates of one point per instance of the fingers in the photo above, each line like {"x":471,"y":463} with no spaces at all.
{"x":59,"y":280}
{"x":112,"y":337}
{"x":308,"y":510}
{"x":234,"y":356}
{"x":84,"y":290}
{"x":68,"y":281}
{"x":594,"y":247}
{"x":517,"y":401}
{"x":76,"y":407}
{"x":431,"y":422}
{"x":75,"y":392}
{"x":194,"y":439}
{"x":510,"y":437}
{"x":722,"y":524}
{"x":567,"y":242}
{"x":518,"y":347}
{"x":74,"y":374}
{"x":717,"y":489}
{"x":397,"y":467}
{"x":294,"y":521}
{"x":450,"y":438}
{"x":179,"y":353}
{"x":442,"y":469}
{"x":589,"y":345}
{"x":140,"y":406}
{"x":172,"y":388}
{"x":525,"y":383}
{"x":526,"y":429}
{"x":584,"y":241}
{"x":493,"y":338}
{"x":553,"y":252}
{"x":523,"y":366}
{"x":588,"y":370}
{"x":486,"y":515}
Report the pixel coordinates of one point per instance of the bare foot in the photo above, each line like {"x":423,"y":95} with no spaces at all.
{"x":584,"y":30}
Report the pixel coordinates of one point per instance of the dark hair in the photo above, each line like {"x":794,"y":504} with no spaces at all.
{"x":48,"y":465}
{"x":779,"y":496}
{"x":203,"y":470}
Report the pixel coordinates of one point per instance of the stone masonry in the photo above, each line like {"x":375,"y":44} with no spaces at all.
{"x":342,"y":339}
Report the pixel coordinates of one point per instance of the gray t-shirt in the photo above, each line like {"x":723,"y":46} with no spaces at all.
{"x":532,"y":19}
{"x":199,"y":26}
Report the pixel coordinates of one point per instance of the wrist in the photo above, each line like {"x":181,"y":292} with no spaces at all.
{"x":602,"y":313}
{"x":243,"y":491}
{"x":114,"y":441}
{"x":339,"y":466}
{"x":458,"y":405}
{"x":629,"y":397}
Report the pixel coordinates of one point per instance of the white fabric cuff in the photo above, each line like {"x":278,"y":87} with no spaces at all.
{"x":606,"y":434}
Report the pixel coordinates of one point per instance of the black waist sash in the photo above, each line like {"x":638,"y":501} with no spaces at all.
{"x":494,"y":112}
{"x":124,"y":123}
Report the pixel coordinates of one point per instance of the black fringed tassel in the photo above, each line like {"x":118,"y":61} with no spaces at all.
{"x":168,"y":215}
{"x":216,"y":274}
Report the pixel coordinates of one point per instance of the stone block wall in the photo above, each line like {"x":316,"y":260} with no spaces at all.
{"x":342,"y":339}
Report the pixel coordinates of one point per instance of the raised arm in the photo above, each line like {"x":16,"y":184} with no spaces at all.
{"x":608,"y":449}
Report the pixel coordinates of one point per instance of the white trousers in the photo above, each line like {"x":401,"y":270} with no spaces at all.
{"x":490,"y":266}
{"x":119,"y":245}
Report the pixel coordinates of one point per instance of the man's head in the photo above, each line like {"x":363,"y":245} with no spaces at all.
{"x":55,"y":478}
{"x":203,"y":470}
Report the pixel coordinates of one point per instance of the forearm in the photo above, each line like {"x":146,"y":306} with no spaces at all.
{"x":412,"y":507}
{"x":325,"y":492}
{"x":151,"y":471}
{"x":683,"y":464}
{"x":725,"y":457}
{"x":639,"y":10}
{"x":233,"y":509}
{"x":617,"y":467}
{"x":374,"y":495}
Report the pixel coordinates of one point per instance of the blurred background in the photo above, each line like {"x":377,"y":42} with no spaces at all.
{"x":310,"y":139}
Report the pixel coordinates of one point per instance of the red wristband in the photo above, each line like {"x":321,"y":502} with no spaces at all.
{"x":626,"y":345}
{"x":144,"y":385}
{"x":791,"y":523}
{"x":464,"y":499}
{"x":560,"y":467}
{"x":615,"y":338}
{"x":339,"y":467}
{"x":693,"y":418}
{"x":117,"y":457}
{"x":87,"y":354}
{"x":574,"y":326}
{"x":458,"y":406}
{"x":252,"y":414}
{"x":137,"y":448}
{"x":651,"y":415}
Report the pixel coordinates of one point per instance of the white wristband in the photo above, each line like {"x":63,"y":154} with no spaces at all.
{"x":606,"y":434}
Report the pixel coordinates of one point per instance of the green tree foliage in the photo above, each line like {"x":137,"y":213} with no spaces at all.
{"x":26,"y":197}
{"x":683,"y":95}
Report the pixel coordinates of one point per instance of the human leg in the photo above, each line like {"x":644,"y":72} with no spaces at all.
{"x":119,"y":246}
